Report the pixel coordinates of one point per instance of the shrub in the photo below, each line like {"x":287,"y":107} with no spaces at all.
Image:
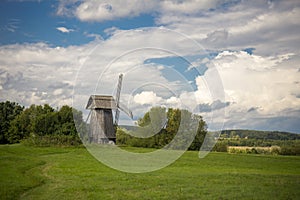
{"x":220,"y":147}
{"x":290,"y":150}
{"x":275,"y":150}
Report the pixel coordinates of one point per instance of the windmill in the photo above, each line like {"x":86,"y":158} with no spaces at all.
{"x":102,"y":126}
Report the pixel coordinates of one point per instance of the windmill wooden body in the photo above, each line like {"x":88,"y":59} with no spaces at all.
{"x":102,"y":126}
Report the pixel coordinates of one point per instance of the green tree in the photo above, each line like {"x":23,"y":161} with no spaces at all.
{"x":8,"y":112}
{"x":200,"y":135}
{"x":174,"y":118}
{"x":20,"y":127}
{"x":66,"y":125}
{"x":163,"y":126}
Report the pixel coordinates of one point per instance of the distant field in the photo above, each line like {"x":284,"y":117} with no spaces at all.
{"x":72,"y":173}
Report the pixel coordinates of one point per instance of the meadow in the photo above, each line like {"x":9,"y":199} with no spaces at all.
{"x":72,"y":173}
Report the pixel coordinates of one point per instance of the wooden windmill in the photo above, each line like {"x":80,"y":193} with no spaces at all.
{"x":102,"y":126}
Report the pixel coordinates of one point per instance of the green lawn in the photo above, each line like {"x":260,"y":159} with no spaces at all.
{"x":72,"y":173}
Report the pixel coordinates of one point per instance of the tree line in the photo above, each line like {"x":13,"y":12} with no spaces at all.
{"x":259,"y":135}
{"x":38,"y":124}
{"x":258,"y":142}
{"x":43,"y":125}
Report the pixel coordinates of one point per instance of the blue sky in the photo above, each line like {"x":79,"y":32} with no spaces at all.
{"x":33,"y":21}
{"x":234,"y":62}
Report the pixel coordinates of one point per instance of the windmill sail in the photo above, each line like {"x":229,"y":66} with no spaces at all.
{"x":126,"y":110}
{"x":118,"y":99}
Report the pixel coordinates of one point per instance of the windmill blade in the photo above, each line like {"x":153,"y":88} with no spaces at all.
{"x":117,"y":116}
{"x":118,"y":99}
{"x":126,"y":110}
{"x":88,"y":117}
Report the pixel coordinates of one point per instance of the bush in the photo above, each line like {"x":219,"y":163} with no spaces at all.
{"x":275,"y":150}
{"x":220,"y":147}
{"x":290,"y":150}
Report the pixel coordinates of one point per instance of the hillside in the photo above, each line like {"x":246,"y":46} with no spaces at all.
{"x":262,"y":135}
{"x":249,"y":134}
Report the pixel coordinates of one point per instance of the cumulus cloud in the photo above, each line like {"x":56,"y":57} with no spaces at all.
{"x":40,"y":73}
{"x":187,"y":7}
{"x":217,"y":25}
{"x":254,"y":83}
{"x":147,"y":97}
{"x":94,"y":10}
{"x":36,"y":73}
{"x":236,"y":24}
{"x":98,"y":10}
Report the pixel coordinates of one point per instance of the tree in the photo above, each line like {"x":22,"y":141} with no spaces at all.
{"x":8,"y":112}
{"x":44,"y":120}
{"x":66,"y":125}
{"x":201,"y":133}
{"x":174,"y":119}
{"x":163,"y":125}
{"x":152,"y":122}
{"x":24,"y":124}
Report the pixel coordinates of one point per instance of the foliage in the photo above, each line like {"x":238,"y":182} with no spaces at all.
{"x":290,"y":145}
{"x":8,"y":112}
{"x":158,"y":127}
{"x":274,"y":150}
{"x":72,"y":173}
{"x":220,"y":147}
{"x":290,"y":150}
{"x":260,"y":135}
{"x":39,"y":122}
{"x":52,"y":140}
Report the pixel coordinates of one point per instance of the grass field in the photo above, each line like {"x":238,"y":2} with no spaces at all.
{"x":72,"y":173}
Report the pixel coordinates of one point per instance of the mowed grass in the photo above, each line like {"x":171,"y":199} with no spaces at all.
{"x":72,"y":173}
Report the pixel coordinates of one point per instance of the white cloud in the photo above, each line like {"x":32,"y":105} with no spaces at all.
{"x":242,"y":24}
{"x":35,"y":73}
{"x":173,"y":100}
{"x":99,"y":10}
{"x":58,"y":91}
{"x":147,"y":97}
{"x":187,"y":7}
{"x":64,"y":29}
{"x":39,"y":73}
{"x":95,"y":10}
{"x":215,"y":24}
{"x":263,"y":83}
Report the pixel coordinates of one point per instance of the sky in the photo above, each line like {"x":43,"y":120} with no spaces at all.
{"x":235,"y":62}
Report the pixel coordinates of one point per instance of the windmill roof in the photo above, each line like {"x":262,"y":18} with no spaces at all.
{"x":101,"y":101}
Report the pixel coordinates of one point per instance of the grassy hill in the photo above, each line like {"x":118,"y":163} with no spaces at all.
{"x":72,"y":173}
